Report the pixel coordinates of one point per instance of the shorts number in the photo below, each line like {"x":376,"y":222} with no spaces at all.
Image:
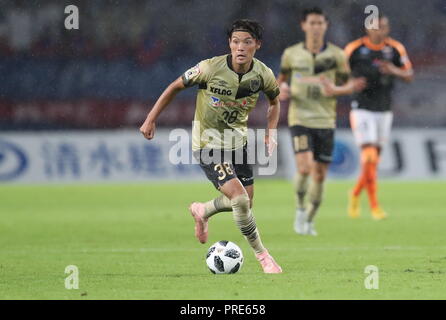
{"x":300,"y":143}
{"x":230,"y":117}
{"x":223,"y":170}
{"x":313,"y":92}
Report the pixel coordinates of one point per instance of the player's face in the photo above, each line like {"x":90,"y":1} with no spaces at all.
{"x":315,"y":26}
{"x":383,"y":31}
{"x":243,"y":47}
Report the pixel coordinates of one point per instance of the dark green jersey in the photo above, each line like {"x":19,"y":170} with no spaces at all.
{"x":308,"y":106}
{"x":225,"y":99}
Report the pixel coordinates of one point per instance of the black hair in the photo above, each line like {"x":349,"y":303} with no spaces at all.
{"x":313,"y":10}
{"x":252,"y":27}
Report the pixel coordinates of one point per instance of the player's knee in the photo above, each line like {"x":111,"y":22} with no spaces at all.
{"x":369,"y":154}
{"x":304,"y":170}
{"x":241,"y":203}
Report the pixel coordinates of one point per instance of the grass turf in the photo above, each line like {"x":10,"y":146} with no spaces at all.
{"x":137,"y":242}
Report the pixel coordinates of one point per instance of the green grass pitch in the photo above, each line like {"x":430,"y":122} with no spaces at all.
{"x":137,"y":242}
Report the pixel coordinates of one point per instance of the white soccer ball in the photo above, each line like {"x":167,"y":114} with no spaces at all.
{"x":224,"y":257}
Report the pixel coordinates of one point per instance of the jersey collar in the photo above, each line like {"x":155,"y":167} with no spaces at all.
{"x":372,"y":46}
{"x":229,"y":62}
{"x":325,"y":45}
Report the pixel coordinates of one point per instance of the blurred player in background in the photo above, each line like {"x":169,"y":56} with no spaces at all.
{"x":228,"y":89}
{"x":318,"y":72}
{"x":380,"y":59}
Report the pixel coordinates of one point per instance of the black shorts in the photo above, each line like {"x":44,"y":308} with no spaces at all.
{"x":319,"y":141}
{"x":232,"y":164}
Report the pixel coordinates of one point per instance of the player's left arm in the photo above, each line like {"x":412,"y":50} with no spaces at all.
{"x":272,"y":91}
{"x":344,"y":83}
{"x":272,"y":116}
{"x":401,"y":67}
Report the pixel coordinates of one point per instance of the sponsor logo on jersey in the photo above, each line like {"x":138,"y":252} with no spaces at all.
{"x":387,"y":53}
{"x":364,"y":51}
{"x":223,"y":92}
{"x":215,"y":101}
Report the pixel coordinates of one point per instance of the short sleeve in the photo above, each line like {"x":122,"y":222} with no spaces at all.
{"x":270,"y":86}
{"x":403,"y":61}
{"x":342,"y":69}
{"x":198,"y":74}
{"x":285,"y":66}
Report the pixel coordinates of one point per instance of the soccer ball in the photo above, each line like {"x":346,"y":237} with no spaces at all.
{"x":224,"y":257}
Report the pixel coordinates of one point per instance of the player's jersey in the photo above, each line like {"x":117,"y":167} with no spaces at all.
{"x":308,"y":106}
{"x":364,"y":57}
{"x":225,"y":99}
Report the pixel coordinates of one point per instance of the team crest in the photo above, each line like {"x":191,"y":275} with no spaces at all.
{"x":254,"y":85}
{"x":364,"y":51}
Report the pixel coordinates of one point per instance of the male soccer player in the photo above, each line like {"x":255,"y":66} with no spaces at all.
{"x":318,"y":72}
{"x":228,"y":89}
{"x":380,"y":59}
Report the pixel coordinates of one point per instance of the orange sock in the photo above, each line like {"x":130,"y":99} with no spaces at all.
{"x":361,"y":180}
{"x":372,"y":186}
{"x":369,"y":156}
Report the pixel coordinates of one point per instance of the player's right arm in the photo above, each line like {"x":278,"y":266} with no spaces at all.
{"x":198,"y":74}
{"x":148,"y":127}
{"x":344,"y":84}
{"x":282,"y":80}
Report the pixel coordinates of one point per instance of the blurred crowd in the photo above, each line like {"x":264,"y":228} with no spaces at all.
{"x":128,"y":51}
{"x":150,"y":31}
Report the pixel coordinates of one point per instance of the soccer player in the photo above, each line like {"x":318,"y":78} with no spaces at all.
{"x":228,"y":89}
{"x":380,"y":59}
{"x":318,"y":71}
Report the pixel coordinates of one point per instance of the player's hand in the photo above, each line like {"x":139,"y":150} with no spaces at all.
{"x":328,"y":87}
{"x":387,"y":67}
{"x":148,"y":129}
{"x":359,"y":84}
{"x":271,"y":143}
{"x":284,"y":91}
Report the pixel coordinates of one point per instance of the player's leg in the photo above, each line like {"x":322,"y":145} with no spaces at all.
{"x":323,"y":150}
{"x":218,"y":173}
{"x":222,"y":203}
{"x":384,"y":124}
{"x":214,"y":206}
{"x":242,"y":213}
{"x":364,"y":131}
{"x":219,"y":204}
{"x":316,"y":189}
{"x":250,"y":191}
{"x":304,"y":163}
{"x":302,"y":146}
